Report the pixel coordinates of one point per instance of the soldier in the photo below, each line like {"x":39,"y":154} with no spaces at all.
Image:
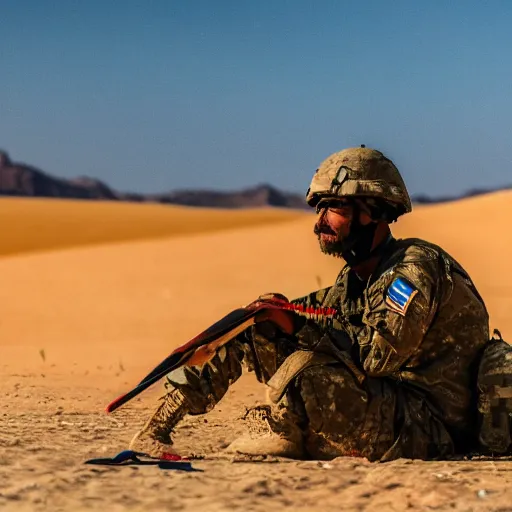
{"x":394,"y":375}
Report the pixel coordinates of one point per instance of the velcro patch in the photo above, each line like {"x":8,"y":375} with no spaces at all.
{"x":400,"y":295}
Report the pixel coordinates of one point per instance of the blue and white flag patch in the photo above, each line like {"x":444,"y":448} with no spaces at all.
{"x":400,"y":295}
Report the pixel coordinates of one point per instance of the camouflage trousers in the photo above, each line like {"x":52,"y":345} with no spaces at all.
{"x":339,"y":410}
{"x":340,"y":415}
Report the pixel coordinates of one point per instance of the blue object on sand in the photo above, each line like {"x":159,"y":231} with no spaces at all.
{"x":132,"y":458}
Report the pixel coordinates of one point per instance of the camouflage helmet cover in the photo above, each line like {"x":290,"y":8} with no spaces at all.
{"x":359,"y":172}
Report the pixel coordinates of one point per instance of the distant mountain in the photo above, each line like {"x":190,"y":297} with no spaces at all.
{"x":24,"y":180}
{"x":17,"y":179}
{"x":261,"y":195}
{"x":424,"y":199}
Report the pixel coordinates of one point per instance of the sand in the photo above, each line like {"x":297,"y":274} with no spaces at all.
{"x":93,"y":295}
{"x":37,"y":225}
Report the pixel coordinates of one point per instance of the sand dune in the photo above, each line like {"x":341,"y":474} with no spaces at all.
{"x":161,"y":291}
{"x":34,"y":225}
{"x":104,"y":314}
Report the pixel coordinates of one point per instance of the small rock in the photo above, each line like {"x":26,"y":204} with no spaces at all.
{"x":482,"y":493}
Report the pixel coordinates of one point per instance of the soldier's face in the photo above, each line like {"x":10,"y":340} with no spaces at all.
{"x":333,"y":225}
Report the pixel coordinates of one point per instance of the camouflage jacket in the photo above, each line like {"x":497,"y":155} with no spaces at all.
{"x":418,"y":320}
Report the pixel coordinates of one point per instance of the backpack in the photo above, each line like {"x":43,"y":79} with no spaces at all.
{"x":494,"y":389}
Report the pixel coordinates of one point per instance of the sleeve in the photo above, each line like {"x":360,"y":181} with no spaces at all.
{"x":310,"y":333}
{"x":260,"y":349}
{"x":400,"y":309}
{"x":314,"y":299}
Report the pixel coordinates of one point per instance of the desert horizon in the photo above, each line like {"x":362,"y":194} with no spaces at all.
{"x":94,"y":294}
{"x":157,"y":162}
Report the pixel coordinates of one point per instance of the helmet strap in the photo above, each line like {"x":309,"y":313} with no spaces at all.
{"x":357,"y":246}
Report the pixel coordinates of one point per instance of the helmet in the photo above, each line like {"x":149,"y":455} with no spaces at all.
{"x":360,"y":172}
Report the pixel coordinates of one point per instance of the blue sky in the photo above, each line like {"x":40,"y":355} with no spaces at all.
{"x":157,"y":95}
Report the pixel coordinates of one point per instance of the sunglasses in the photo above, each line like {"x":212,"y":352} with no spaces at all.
{"x":335,"y":205}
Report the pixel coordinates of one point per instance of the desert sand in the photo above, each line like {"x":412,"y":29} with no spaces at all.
{"x":93,"y":295}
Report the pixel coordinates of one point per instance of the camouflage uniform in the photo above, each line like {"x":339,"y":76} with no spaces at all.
{"x":393,"y":375}
{"x":381,"y":383}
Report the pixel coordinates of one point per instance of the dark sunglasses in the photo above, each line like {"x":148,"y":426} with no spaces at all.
{"x":333,"y":204}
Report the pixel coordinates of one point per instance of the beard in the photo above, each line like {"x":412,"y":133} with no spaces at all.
{"x":330,"y":242}
{"x":354,"y":248}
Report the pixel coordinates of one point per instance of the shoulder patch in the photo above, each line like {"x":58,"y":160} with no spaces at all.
{"x":399,"y":295}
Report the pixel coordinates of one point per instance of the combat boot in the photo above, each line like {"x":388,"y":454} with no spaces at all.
{"x":154,"y":438}
{"x":269,"y":434}
{"x":495,"y":396}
